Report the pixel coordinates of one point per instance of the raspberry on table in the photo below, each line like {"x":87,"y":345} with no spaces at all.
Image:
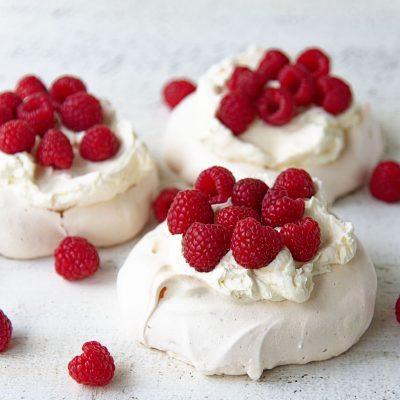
{"x":231,"y":215}
{"x":16,"y":136}
{"x":5,"y":331}
{"x":55,"y":150}
{"x":189,"y":206}
{"x":29,"y":85}
{"x":5,"y":114}
{"x":297,"y":182}
{"x":271,"y":64}
{"x":94,"y":367}
{"x":397,"y":309}
{"x":216,"y":183}
{"x":65,"y":86}
{"x":76,"y":258}
{"x":302,"y":238}
{"x":80,"y":111}
{"x":10,"y":100}
{"x":175,"y":91}
{"x":385,"y":181}
{"x":99,"y":144}
{"x":316,"y":61}
{"x":204,"y":245}
{"x":245,"y":82}
{"x":162,"y":203}
{"x":249,"y":192}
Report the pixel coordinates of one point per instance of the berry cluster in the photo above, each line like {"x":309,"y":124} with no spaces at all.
{"x":278,"y":90}
{"x":32,"y":110}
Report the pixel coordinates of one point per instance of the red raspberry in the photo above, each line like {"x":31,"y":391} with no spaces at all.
{"x":249,"y":192}
{"x":398,"y":309}
{"x":272,"y":63}
{"x":297,"y":182}
{"x":276,"y":106}
{"x":76,"y":258}
{"x":385,"y":182}
{"x":94,"y":367}
{"x":162,"y":203}
{"x":29,"y":85}
{"x":204,"y":245}
{"x":16,"y":136}
{"x":216,"y":183}
{"x":230,"y":216}
{"x":65,"y":86}
{"x":10,"y":100}
{"x":253,"y":245}
{"x":5,"y":114}
{"x":38,"y":112}
{"x":99,"y":144}
{"x":5,"y":331}
{"x":246,"y":82}
{"x":333,"y":94}
{"x":55,"y":150}
{"x":189,"y":206}
{"x":236,"y":112}
{"x":175,"y":91}
{"x":315,"y":60}
{"x":302,"y":238}
{"x":81,"y":111}
{"x":298,"y":81}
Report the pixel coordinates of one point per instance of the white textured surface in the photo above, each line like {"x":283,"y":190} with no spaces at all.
{"x":126,"y":50}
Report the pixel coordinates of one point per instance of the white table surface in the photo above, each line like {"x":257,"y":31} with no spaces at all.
{"x":126,"y":50}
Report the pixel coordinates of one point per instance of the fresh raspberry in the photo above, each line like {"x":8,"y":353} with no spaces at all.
{"x":81,"y":111}
{"x":65,"y":86}
{"x":29,"y":85}
{"x":16,"y":136}
{"x":236,"y":112}
{"x":385,"y":181}
{"x":230,"y":216}
{"x":316,"y":61}
{"x":5,"y":114}
{"x":333,"y":94}
{"x":5,"y":331}
{"x":204,"y":245}
{"x":162,"y":203}
{"x":276,"y":106}
{"x":38,"y":112}
{"x":216,"y":183}
{"x":297,"y":182}
{"x":254,"y":245}
{"x":189,"y":206}
{"x":246,"y":82}
{"x":76,"y":258}
{"x":175,"y":91}
{"x":94,"y":367}
{"x":99,"y":144}
{"x":249,"y":192}
{"x":271,"y":64}
{"x":302,"y":238}
{"x":10,"y":100}
{"x":398,"y":309}
{"x":55,"y":150}
{"x":298,"y":81}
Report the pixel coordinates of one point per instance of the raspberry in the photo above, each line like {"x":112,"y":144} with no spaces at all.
{"x":94,"y":367}
{"x":276,"y":106}
{"x":298,"y":81}
{"x":302,"y":238}
{"x":272,"y":63}
{"x":29,"y":85}
{"x":5,"y":331}
{"x":5,"y":114}
{"x":204,"y":245}
{"x":216,"y":183}
{"x":253,"y":245}
{"x":81,"y":111}
{"x":333,"y":94}
{"x":236,"y":112}
{"x":162,"y":203}
{"x":16,"y":136}
{"x":10,"y":100}
{"x":189,"y":206}
{"x":385,"y":181}
{"x":99,"y":144}
{"x":76,"y":258}
{"x":55,"y":150}
{"x":230,"y":216}
{"x":246,"y":82}
{"x":65,"y":86}
{"x":175,"y":91}
{"x":38,"y":112}
{"x":249,"y":192}
{"x":315,"y":60}
{"x":397,"y":307}
{"x":297,"y":182}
